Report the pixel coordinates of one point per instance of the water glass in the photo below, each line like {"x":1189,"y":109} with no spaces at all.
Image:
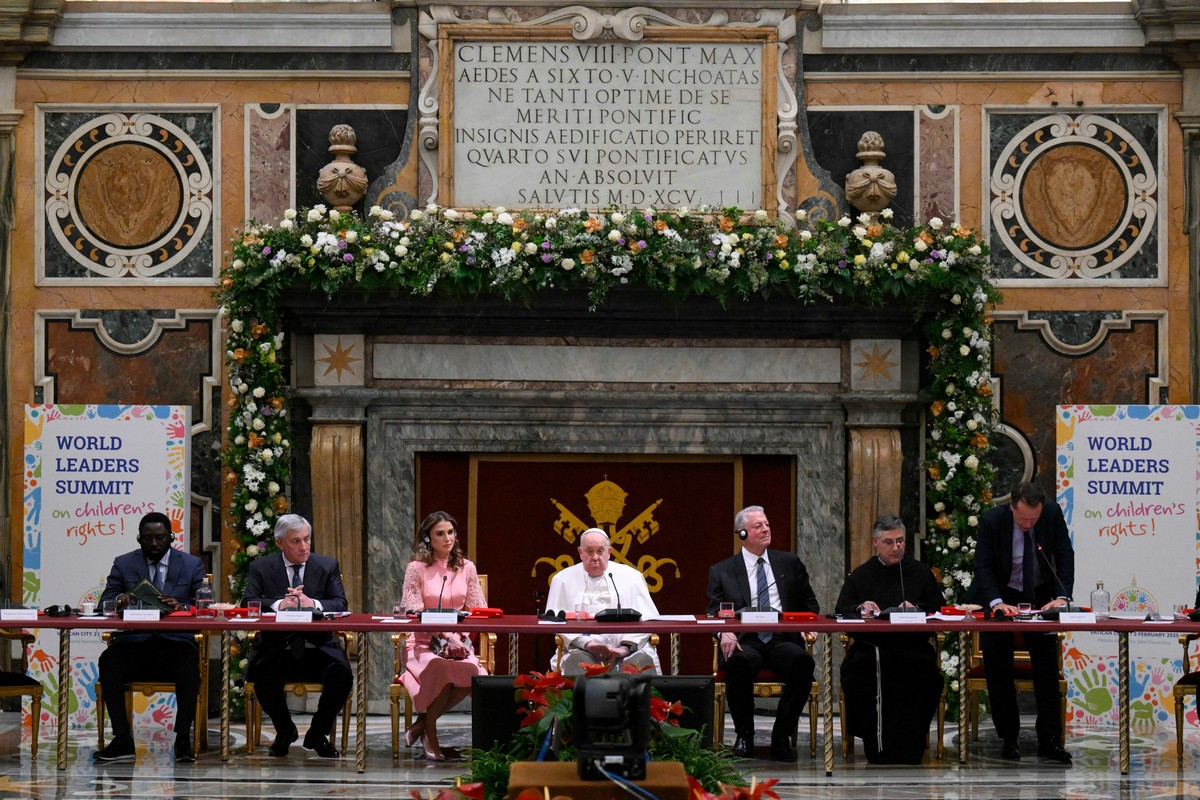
{"x":109,"y":608}
{"x":1025,"y":609}
{"x":1180,"y":611}
{"x":204,"y":608}
{"x":253,"y":609}
{"x":581,"y":611}
{"x":726,"y":611}
{"x":399,"y":611}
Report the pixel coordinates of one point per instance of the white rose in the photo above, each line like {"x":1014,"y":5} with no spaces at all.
{"x":760,"y":215}
{"x":313,"y":215}
{"x":859,"y":231}
{"x":864,"y":218}
{"x":289,"y":214}
{"x":886,"y":213}
{"x":416,"y":215}
{"x":805,"y":235}
{"x":259,"y":391}
{"x":614,"y":235}
{"x":844,"y":222}
{"x":968,"y":332}
{"x":351,"y":236}
{"x":973,"y":521}
{"x":936,"y":223}
{"x":952,"y":542}
{"x":946,"y":333}
{"x":964,"y":350}
{"x":940,"y":486}
{"x":401,"y":251}
{"x":617,"y":217}
{"x":530,"y":248}
{"x":972,"y":424}
{"x":251,"y":505}
{"x":268,"y":456}
{"x":552,"y":223}
{"x":258,"y":424}
{"x":306,"y":240}
{"x":939,"y":507}
{"x":920,"y":246}
{"x":237,"y":326}
{"x":568,"y":264}
{"x":975,"y":250}
{"x":801,"y":215}
{"x":488,"y":218}
{"x":956,"y":299}
{"x":683,"y":211}
{"x":951,"y":388}
{"x":971,"y":462}
{"x":239,"y":440}
{"x":335,"y":215}
{"x":272,"y":488}
{"x":286,"y":224}
{"x":252,"y":551}
{"x":450,"y":214}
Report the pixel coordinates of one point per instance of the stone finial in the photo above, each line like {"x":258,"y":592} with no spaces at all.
{"x":870,"y":187}
{"x":342,"y":182}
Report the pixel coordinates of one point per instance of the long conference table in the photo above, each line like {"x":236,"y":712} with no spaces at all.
{"x":514,"y":626}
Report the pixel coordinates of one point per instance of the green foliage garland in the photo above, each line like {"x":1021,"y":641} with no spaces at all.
{"x":941,"y":270}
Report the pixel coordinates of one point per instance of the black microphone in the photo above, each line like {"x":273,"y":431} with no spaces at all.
{"x":757,"y":607}
{"x":617,"y":614}
{"x":442,"y":591}
{"x":902,"y":608}
{"x":1057,"y":579}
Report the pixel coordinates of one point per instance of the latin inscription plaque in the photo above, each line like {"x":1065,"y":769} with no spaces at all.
{"x":548,"y":124}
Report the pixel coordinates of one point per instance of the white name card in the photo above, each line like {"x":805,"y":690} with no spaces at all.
{"x":1076,"y":617}
{"x":907,"y":617}
{"x":27,"y":614}
{"x":758,"y":617}
{"x":293,"y":616}
{"x":439,"y":617}
{"x":141,"y":615}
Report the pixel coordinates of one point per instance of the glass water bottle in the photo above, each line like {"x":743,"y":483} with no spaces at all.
{"x":1100,"y":601}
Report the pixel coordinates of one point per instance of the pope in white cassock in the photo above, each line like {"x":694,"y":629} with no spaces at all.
{"x":587,"y":584}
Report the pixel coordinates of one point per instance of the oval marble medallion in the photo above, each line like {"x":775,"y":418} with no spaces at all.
{"x":128,"y":194}
{"x":1073,"y":196}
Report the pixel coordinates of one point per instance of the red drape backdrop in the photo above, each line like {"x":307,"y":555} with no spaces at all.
{"x":669,"y":516}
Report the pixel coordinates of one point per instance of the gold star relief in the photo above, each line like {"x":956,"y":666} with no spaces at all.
{"x":875,"y":365}
{"x":340,"y":359}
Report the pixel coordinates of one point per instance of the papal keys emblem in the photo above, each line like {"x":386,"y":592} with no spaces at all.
{"x":606,"y":505}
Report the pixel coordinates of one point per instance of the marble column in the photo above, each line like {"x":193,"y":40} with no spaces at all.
{"x":874,"y":461}
{"x":1189,"y":121}
{"x":9,"y":117}
{"x":336,"y":462}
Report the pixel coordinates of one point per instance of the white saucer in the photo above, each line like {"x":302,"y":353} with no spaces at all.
{"x":90,"y":616}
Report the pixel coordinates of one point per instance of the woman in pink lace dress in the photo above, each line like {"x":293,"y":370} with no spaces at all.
{"x":438,"y":666}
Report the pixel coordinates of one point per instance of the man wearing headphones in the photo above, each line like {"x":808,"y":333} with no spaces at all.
{"x":760,"y":577}
{"x":152,"y":655}
{"x":295,"y":578}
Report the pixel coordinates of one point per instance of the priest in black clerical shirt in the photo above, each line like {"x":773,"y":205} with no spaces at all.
{"x":894,"y":724}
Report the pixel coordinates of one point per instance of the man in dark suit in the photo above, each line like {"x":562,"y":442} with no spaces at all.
{"x":1024,"y":555}
{"x":760,"y":577}
{"x":295,"y":578}
{"x":151,"y":655}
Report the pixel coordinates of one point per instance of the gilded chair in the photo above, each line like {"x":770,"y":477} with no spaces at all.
{"x":18,"y":684}
{"x":560,"y":650}
{"x":848,"y":733}
{"x":766,"y":684}
{"x":1186,"y":685}
{"x":298,"y":689}
{"x":151,"y":688}
{"x":1022,"y":677}
{"x":397,"y":692}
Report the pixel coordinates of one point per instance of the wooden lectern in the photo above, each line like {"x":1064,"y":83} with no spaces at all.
{"x":664,"y":779}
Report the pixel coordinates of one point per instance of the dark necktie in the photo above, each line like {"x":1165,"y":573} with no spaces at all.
{"x":296,"y":575}
{"x":297,"y":643}
{"x":1029,"y":567}
{"x":158,"y":576}
{"x":764,"y":595}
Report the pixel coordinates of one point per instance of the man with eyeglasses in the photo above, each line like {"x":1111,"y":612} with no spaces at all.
{"x":151,"y":655}
{"x":595,"y":584}
{"x":891,"y":680}
{"x":1024,"y":555}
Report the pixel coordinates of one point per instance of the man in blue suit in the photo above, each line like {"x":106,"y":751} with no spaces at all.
{"x":296,"y":578}
{"x":1024,"y":555}
{"x":152,"y":655}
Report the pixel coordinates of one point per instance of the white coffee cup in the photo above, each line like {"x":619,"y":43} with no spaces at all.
{"x":88,"y":609}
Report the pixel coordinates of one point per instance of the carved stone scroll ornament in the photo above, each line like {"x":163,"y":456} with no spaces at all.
{"x":342,"y":182}
{"x":589,"y":24}
{"x":870,"y":187}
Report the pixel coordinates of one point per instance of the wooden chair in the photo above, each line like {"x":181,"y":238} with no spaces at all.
{"x":1186,"y":685}
{"x":299,"y":689}
{"x":150,"y":688}
{"x":766,"y":684}
{"x":1022,"y":677}
{"x":560,"y":650}
{"x":848,"y":734}
{"x":397,"y":692}
{"x":22,"y":685}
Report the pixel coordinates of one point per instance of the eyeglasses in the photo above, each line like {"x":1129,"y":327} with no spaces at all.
{"x":892,"y":542}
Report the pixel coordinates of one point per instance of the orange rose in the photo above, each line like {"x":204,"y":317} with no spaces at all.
{"x":250,"y":240}
{"x":587,"y":256}
{"x":962,"y":232}
{"x":660,"y":225}
{"x":781,"y":241}
{"x":231,"y":477}
{"x":874,"y":231}
{"x":934,"y":351}
{"x":593,"y":224}
{"x":227,"y":282}
{"x":281,"y":503}
{"x":925,"y":237}
{"x":984,"y":390}
{"x":934,"y":472}
{"x":937,"y":407}
{"x":519,"y":225}
{"x":979,"y":440}
{"x":233,"y":402}
{"x":258,"y":329}
{"x":942,"y":521}
{"x":276,"y":402}
{"x":985,"y":496}
{"x":239,"y":355}
{"x":458,"y":234}
{"x":725,"y":224}
{"x":255,"y":441}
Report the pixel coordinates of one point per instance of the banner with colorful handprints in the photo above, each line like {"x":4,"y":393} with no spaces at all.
{"x":1128,"y":478}
{"x":90,"y":473}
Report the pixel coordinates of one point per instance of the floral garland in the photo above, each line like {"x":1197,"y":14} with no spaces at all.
{"x":942,"y":269}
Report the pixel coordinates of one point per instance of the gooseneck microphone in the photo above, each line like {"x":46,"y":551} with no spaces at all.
{"x":615,"y":591}
{"x":1057,"y":579}
{"x":442,"y":591}
{"x":903,"y":601}
{"x":617,"y":614}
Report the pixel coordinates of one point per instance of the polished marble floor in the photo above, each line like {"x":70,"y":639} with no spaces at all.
{"x":1155,"y":771}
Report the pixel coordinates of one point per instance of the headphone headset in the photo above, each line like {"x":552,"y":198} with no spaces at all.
{"x":426,"y":538}
{"x":742,"y":534}
{"x":59,"y":611}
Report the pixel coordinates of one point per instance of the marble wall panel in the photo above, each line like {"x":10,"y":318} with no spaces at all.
{"x":938,"y":134}
{"x":268,"y":161}
{"x":128,"y":194}
{"x":1118,"y":359}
